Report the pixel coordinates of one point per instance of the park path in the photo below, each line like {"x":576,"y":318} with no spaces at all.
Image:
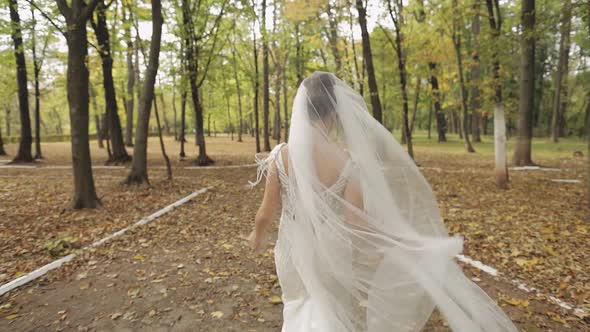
{"x":189,"y":270}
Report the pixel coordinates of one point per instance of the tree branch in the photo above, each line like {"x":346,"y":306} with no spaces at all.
{"x":216,"y":27}
{"x":388,"y":37}
{"x":89,"y":9}
{"x":32,"y":3}
{"x":63,"y":8}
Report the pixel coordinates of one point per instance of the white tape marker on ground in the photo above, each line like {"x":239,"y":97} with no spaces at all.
{"x":534,"y":168}
{"x":57,"y":263}
{"x":566,"y":180}
{"x":18,"y":166}
{"x":519,"y":284}
{"x":123,"y":167}
{"x":221,"y":167}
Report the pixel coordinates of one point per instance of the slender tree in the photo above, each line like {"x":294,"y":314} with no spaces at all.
{"x":174,"y":110}
{"x":299,"y":52}
{"x":138,"y":172}
{"x":441,"y":122}
{"x":256,"y":86}
{"x":36,"y":72}
{"x":162,"y":146}
{"x":588,"y":121}
{"x":560,"y":98}
{"x":265,"y":81}
{"x":8,"y":110}
{"x":331,"y":9}
{"x":2,"y":151}
{"x":130,"y":93}
{"x":495,"y":20}
{"x":99,"y":24}
{"x":522,"y":154}
{"x":183,"y":97}
{"x":238,"y":88}
{"x":358,"y":80}
{"x":475,"y":77}
{"x":457,"y":36}
{"x":284,"y":89}
{"x":368,"y":59}
{"x":396,"y":15}
{"x":193,"y":44}
{"x":164,"y":117}
{"x":26,"y":139}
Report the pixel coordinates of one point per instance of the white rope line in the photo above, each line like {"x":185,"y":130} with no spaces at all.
{"x":59,"y":262}
{"x":566,"y":180}
{"x":534,"y":168}
{"x":519,"y":284}
{"x":123,"y":167}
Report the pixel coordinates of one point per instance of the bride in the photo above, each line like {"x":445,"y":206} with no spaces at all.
{"x":361,"y":245}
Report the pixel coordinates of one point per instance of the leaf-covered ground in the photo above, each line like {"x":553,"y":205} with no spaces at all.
{"x":190,"y":271}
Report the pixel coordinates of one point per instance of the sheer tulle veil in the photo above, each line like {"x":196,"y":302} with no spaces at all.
{"x":375,"y":256}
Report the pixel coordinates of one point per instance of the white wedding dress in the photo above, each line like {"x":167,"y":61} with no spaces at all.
{"x":300,"y":313}
{"x":361,"y":243}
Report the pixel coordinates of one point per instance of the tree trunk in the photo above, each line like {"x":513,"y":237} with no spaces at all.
{"x":285,"y":108}
{"x":104,"y":133}
{"x":265,"y":81}
{"x":416,"y":101}
{"x":560,"y":98}
{"x":238,"y":88}
{"x":256,"y":92}
{"x":164,"y":118}
{"x":26,"y":139}
{"x":522,"y":154}
{"x":277,"y":115}
{"x":183,"y":97}
{"x":357,"y":71}
{"x":130,"y":97}
{"x":368,"y":58}
{"x":97,"y":117}
{"x":174,"y":111}
{"x":397,"y":19}
{"x":2,"y":151}
{"x":230,"y":126}
{"x":8,"y":112}
{"x":192,"y":68}
{"x":138,"y":172}
{"x":429,"y":118}
{"x":588,"y":124}
{"x":77,"y":87}
{"x":501,"y":168}
{"x":112,"y":110}
{"x":441,"y":122}
{"x":203,"y":159}
{"x":475,"y":76}
{"x":162,"y":147}
{"x":299,"y":60}
{"x":209,"y":125}
{"x":457,"y":46}
{"x":333,"y":38}
{"x":36,"y":71}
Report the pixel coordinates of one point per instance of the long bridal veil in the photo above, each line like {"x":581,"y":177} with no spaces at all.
{"x":373,"y":255}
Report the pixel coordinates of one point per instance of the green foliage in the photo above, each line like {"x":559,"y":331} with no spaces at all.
{"x":307,"y":24}
{"x":61,"y":246}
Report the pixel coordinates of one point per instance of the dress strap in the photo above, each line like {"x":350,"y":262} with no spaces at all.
{"x":264,"y":163}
